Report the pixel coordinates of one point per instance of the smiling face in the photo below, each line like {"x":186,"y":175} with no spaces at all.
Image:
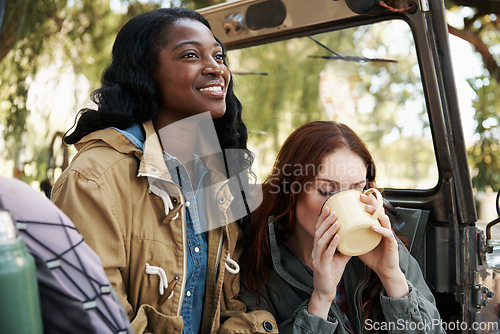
{"x":339,"y":171}
{"x":191,"y":77}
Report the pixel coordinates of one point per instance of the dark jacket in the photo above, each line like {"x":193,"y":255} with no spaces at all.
{"x":290,"y":286}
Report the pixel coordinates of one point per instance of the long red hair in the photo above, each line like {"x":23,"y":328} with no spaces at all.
{"x":296,"y":165}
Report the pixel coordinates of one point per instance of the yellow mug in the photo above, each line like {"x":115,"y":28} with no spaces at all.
{"x":356,"y":237}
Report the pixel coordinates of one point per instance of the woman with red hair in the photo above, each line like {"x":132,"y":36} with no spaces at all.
{"x":293,"y":268}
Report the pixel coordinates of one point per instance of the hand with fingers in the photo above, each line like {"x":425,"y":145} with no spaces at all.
{"x":328,"y":265}
{"x":384,"y":259}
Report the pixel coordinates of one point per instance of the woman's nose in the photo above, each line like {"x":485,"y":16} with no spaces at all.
{"x":212,"y":68}
{"x":216,"y":71}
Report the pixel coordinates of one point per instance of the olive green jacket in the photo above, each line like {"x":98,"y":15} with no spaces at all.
{"x":118,"y":197}
{"x":290,"y":286}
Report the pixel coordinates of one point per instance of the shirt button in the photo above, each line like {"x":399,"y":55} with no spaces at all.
{"x":187,"y":204}
{"x":222,"y":200}
{"x":196,"y":249}
{"x":268,"y":326}
{"x":189,"y":294}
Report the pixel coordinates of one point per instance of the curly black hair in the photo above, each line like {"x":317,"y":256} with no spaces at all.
{"x":128,"y":93}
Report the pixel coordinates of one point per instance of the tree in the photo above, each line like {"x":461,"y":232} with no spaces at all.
{"x":382,"y":101}
{"x":79,"y":35}
{"x":484,"y":154}
{"x":36,"y":34}
{"x":75,"y":34}
{"x":480,"y":27}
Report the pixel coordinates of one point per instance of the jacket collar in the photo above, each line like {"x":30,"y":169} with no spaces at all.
{"x":152,"y":162}
{"x":151,"y":157}
{"x":288,"y":265}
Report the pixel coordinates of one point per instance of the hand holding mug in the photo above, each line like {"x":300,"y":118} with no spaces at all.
{"x":384,"y":258}
{"x":356,"y":234}
{"x":327,"y":264}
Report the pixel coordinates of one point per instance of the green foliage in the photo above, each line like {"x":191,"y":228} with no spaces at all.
{"x":484,"y":154}
{"x":477,"y":22}
{"x":479,"y":25}
{"x":74,"y":36}
{"x":280,"y":101}
{"x":77,"y":36}
{"x":382,"y":101}
{"x":27,"y":24}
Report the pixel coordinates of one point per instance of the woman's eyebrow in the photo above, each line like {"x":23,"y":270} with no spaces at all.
{"x":181,"y":44}
{"x":327,"y":180}
{"x":195,"y":43}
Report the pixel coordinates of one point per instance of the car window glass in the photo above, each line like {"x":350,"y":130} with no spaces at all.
{"x":286,"y":84}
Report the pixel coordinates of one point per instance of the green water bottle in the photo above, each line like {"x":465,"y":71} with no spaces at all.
{"x":19,"y":301}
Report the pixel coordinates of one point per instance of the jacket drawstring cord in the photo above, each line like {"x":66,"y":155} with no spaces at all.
{"x":236,"y":266}
{"x":153,"y":270}
{"x":230,"y":262}
{"x":166,"y":199}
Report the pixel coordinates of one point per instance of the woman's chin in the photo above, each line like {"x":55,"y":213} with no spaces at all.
{"x":217,"y":114}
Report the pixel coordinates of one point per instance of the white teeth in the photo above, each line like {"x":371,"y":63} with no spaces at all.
{"x":211,"y":89}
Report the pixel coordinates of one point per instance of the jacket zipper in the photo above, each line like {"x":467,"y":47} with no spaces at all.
{"x":345,"y":327}
{"x":184,"y":252}
{"x":357,"y":298}
{"x":221,"y":241}
{"x":219,"y":256}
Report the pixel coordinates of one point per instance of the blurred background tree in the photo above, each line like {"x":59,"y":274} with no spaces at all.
{"x":484,"y":153}
{"x":382,"y":101}
{"x":480,"y":26}
{"x":62,"y":35}
{"x":75,"y":38}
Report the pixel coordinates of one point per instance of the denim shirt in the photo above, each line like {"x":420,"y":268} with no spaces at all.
{"x":197,"y":243}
